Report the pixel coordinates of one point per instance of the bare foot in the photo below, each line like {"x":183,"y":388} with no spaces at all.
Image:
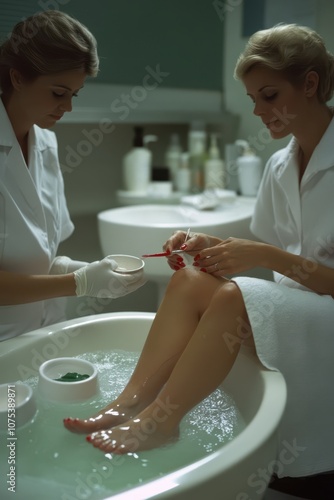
{"x":114,"y":414}
{"x":134,"y":435}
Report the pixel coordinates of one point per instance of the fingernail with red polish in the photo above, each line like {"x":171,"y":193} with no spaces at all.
{"x":203,"y":270}
{"x":88,"y":438}
{"x":183,"y":247}
{"x":179,"y":259}
{"x":176,"y":268}
{"x":196,"y":264}
{"x":197,"y":257}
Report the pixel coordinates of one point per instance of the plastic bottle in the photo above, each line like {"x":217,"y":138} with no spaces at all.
{"x":183,"y":175}
{"x":173,"y":157}
{"x":137,"y":163}
{"x":231,"y":153}
{"x":249,"y":170}
{"x":214,"y":169}
{"x":160,"y":185}
{"x":197,"y":142}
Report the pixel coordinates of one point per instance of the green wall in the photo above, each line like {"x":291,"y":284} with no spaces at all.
{"x":183,"y":37}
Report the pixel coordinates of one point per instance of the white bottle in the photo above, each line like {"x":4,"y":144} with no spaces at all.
{"x":183,"y":175}
{"x":249,"y":170}
{"x":214,"y":168}
{"x":173,"y":157}
{"x":137,"y":164}
{"x":197,"y":147}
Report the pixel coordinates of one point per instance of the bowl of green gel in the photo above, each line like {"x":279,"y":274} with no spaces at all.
{"x":67,"y":380}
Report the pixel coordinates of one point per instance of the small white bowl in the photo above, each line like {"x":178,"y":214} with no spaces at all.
{"x":127,"y":263}
{"x":17,"y":405}
{"x":67,"y":392}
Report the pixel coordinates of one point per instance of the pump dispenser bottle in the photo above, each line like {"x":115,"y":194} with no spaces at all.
{"x":183,"y":175}
{"x":173,"y":157}
{"x":249,"y":170}
{"x":197,"y":141}
{"x":137,"y":163}
{"x":214,"y":170}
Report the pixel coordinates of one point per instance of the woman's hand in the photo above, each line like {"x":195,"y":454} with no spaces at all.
{"x":194,"y":244}
{"x":231,"y":256}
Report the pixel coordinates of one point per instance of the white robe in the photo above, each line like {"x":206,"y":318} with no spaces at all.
{"x":293,"y":327}
{"x":33,"y":220}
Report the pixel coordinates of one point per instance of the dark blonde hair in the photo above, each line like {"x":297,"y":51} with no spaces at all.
{"x":45,"y":43}
{"x":292,"y":50}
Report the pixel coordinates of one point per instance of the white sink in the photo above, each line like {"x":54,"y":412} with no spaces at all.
{"x":141,"y":229}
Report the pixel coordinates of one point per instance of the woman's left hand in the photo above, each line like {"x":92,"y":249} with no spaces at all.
{"x":233,"y":255}
{"x":194,"y":243}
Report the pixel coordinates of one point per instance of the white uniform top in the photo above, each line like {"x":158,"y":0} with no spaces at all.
{"x":299,"y":217}
{"x":33,"y":219}
{"x":293,"y":326}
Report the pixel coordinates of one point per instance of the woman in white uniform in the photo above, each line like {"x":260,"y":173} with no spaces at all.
{"x":43,"y":64}
{"x":205,"y":317}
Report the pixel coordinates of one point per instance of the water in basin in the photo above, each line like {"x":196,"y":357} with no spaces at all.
{"x":63,"y":464}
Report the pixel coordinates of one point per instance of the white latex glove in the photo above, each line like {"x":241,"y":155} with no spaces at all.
{"x":64,"y":265}
{"x":100,"y":280}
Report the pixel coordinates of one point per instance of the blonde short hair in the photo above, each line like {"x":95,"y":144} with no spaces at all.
{"x":46,"y":43}
{"x":292,"y":50}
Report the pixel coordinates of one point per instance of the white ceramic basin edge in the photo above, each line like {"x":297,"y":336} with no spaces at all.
{"x":260,"y":395}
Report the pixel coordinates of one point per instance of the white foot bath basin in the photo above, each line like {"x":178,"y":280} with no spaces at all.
{"x":50,"y":462}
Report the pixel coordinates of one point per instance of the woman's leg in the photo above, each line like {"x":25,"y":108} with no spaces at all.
{"x":204,"y":363}
{"x":187,"y":297}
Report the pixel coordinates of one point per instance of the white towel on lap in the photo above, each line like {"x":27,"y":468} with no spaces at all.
{"x":294,"y":333}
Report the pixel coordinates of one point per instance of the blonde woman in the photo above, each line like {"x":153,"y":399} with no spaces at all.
{"x":205,"y":317}
{"x":43,"y":66}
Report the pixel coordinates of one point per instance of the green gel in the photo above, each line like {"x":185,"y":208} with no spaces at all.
{"x":72,"y":377}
